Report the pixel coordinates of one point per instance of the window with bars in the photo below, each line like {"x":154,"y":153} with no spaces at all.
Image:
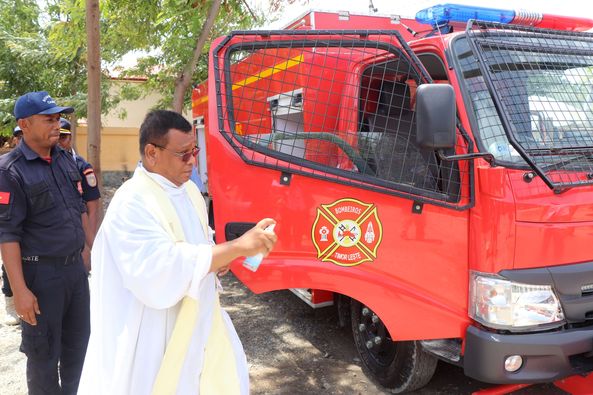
{"x":333,"y":106}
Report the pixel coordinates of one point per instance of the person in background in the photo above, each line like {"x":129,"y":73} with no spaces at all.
{"x":195,"y":177}
{"x":90,"y":190}
{"x":17,"y":134}
{"x":41,"y":239}
{"x":157,"y":325}
{"x":10,"y":316}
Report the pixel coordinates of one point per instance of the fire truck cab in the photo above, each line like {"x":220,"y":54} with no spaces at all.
{"x":431,"y":177}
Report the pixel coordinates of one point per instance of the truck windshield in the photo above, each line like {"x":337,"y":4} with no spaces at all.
{"x":545,"y":96}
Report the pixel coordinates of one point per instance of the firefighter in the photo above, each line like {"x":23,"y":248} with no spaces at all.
{"x":41,"y":238}
{"x":90,"y":190}
{"x":17,"y":133}
{"x":10,"y":317}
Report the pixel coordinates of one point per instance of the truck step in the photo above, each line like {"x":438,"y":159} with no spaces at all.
{"x":315,"y":298}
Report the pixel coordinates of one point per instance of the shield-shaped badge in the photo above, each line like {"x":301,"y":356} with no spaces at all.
{"x":91,"y":179}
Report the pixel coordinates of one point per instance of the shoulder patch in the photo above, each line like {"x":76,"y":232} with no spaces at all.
{"x":90,"y":178}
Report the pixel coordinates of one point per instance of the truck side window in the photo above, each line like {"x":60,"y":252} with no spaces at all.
{"x":396,"y":156}
{"x":387,"y":129}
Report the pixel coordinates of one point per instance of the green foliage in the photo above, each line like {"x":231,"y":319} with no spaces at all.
{"x":44,"y":47}
{"x":172,"y":36}
{"x":19,"y":31}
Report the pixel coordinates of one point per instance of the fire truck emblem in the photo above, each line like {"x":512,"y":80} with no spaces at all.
{"x":347,"y":232}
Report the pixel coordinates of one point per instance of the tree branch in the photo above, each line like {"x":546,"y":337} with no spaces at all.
{"x":185,"y":79}
{"x":249,"y":9}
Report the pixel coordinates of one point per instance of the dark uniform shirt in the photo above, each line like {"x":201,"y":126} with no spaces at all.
{"x":90,"y":189}
{"x":40,"y":202}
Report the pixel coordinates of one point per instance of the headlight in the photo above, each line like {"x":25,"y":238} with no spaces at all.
{"x":502,"y":304}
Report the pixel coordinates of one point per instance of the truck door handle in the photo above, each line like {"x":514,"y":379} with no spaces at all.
{"x":233,"y":230}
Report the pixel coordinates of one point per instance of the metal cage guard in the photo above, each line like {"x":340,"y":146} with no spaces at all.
{"x":540,"y":86}
{"x":334,"y":105}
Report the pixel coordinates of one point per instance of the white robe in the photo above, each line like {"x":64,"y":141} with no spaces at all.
{"x":138,"y":280}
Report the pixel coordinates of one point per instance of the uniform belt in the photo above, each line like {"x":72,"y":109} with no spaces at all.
{"x":56,"y":260}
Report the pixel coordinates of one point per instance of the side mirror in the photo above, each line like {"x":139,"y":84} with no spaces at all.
{"x":435,"y":116}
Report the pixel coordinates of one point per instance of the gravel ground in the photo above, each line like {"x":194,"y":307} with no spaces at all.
{"x":291,"y":349}
{"x":12,"y":363}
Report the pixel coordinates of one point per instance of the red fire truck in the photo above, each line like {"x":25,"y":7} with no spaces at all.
{"x":432,"y":178}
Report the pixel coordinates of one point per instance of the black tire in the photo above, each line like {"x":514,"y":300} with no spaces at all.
{"x":398,"y":366}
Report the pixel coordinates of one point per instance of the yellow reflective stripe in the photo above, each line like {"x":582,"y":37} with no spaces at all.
{"x":168,"y":377}
{"x":269,"y":71}
{"x":219,"y":374}
{"x":200,"y":101}
{"x":256,"y":77}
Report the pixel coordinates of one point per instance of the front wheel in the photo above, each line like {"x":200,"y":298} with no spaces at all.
{"x":400,"y":366}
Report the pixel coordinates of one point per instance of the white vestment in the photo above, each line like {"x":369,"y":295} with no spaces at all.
{"x":140,"y":275}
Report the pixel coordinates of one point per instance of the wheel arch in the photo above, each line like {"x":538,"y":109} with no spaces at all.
{"x":409,"y":313}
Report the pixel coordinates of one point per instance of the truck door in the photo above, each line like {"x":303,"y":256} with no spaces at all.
{"x":317,"y":130}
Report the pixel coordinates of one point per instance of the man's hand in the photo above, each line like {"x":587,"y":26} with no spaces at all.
{"x":86,"y":257}
{"x":254,"y":241}
{"x":25,"y":304}
{"x":257,"y":239}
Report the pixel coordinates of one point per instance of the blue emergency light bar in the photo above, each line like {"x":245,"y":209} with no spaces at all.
{"x":442,"y":14}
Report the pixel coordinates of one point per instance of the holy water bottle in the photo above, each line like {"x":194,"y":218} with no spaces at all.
{"x":252,"y":262}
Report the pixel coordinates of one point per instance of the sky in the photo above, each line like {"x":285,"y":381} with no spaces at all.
{"x":408,"y":8}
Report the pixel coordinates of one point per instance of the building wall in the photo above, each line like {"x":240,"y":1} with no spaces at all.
{"x":119,"y":147}
{"x":135,"y":110}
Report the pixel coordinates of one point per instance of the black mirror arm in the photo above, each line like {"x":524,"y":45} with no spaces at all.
{"x":484,"y":155}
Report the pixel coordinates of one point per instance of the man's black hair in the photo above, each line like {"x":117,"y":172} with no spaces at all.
{"x":156,"y":126}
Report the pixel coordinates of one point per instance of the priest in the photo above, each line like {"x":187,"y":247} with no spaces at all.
{"x":156,"y":322}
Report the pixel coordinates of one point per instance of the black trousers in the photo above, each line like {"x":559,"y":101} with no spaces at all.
{"x":56,"y":346}
{"x":6,"y":290}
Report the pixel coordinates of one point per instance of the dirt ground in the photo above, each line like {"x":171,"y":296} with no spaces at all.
{"x":291,"y":349}
{"x":294,"y":349}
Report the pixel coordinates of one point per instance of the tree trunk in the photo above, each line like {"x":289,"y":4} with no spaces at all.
{"x":94,"y":90}
{"x":183,"y":82}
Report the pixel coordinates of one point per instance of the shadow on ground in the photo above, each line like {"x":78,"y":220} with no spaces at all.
{"x":294,"y":349}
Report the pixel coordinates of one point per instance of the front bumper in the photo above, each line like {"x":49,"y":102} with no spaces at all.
{"x":546,"y":356}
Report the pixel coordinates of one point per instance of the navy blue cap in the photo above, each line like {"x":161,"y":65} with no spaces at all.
{"x":34,"y":103}
{"x":65,"y":126}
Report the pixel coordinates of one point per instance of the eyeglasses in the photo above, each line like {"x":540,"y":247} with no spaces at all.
{"x":185,"y":156}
